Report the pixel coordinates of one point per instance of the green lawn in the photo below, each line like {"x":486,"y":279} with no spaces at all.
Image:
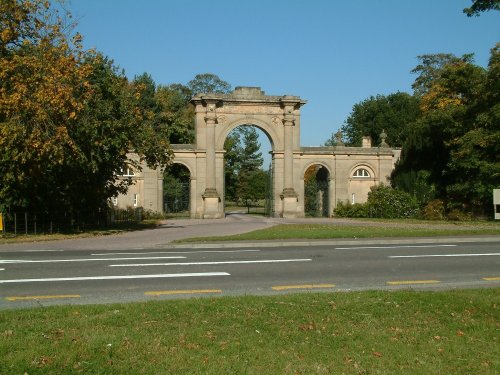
{"x":332,"y":231}
{"x":375,"y":332}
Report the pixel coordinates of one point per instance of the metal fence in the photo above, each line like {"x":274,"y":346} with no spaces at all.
{"x":19,"y":223}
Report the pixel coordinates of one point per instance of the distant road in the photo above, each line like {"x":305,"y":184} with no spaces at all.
{"x":54,"y":275}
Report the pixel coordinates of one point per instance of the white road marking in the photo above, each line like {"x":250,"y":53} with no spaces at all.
{"x":39,"y":251}
{"x":20,"y":261}
{"x":2,"y":269}
{"x":442,"y":255}
{"x":179,"y":252}
{"x":85,"y":278}
{"x":390,"y":247}
{"x":211,"y":263}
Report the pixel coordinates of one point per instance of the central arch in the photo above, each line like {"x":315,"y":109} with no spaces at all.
{"x":271,"y":133}
{"x":248,"y":182}
{"x":216,"y":115}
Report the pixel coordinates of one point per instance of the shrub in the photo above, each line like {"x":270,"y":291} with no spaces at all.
{"x":351,"y":210}
{"x":457,"y":215}
{"x":386,"y":202}
{"x":434,"y":210}
{"x":153,"y":215}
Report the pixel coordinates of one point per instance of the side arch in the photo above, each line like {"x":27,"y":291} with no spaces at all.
{"x":321,"y":163}
{"x":317,"y":189}
{"x":189,"y":189}
{"x":185,"y":164}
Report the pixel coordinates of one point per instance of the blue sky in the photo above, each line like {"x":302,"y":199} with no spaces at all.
{"x":332,"y":53}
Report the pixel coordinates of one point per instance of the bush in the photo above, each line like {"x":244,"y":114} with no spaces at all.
{"x":434,"y":210}
{"x":457,"y":215}
{"x":386,"y":202}
{"x":351,"y":210}
{"x":153,"y":215}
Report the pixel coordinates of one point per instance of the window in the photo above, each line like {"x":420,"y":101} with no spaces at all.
{"x":361,"y":173}
{"x":136,"y":200}
{"x":353,"y":199}
{"x":128,"y":172}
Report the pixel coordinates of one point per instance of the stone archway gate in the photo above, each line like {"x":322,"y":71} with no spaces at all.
{"x":279,"y":117}
{"x":215,"y":116}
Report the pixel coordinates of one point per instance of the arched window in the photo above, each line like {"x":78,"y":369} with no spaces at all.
{"x":126,"y":171}
{"x":361,"y":173}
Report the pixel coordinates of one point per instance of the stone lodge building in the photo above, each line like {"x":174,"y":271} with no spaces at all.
{"x":349,"y":172}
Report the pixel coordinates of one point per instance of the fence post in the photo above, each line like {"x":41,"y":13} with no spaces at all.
{"x":15,"y":223}
{"x":26,"y":223}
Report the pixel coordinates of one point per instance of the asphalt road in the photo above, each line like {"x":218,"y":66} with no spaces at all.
{"x":42,"y":277}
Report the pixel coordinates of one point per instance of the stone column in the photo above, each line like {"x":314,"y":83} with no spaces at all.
{"x":289,"y":196}
{"x":210,"y":197}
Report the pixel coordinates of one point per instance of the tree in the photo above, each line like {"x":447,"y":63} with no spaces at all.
{"x":242,"y":162}
{"x":479,"y":6}
{"x":232,"y":163}
{"x":392,"y":113}
{"x":454,"y":144}
{"x":208,"y":83}
{"x":252,"y":186}
{"x":147,"y":103}
{"x":334,"y":140}
{"x":251,"y":157}
{"x":68,"y":119}
{"x":474,"y":161}
{"x":175,"y":109}
{"x":431,"y":67}
{"x":42,"y":90}
{"x":176,"y":112}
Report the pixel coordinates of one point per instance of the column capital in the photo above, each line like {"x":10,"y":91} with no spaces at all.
{"x":288,"y":120}
{"x":210,"y":118}
{"x":210,"y":111}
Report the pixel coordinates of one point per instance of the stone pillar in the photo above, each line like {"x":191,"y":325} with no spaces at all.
{"x":211,"y":197}
{"x":289,"y":196}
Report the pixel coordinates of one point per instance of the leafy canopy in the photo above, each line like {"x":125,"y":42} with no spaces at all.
{"x":68,"y":117}
{"x":392,"y":113}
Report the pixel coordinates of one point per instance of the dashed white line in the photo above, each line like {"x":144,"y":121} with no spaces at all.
{"x":21,"y":261}
{"x":40,"y":251}
{"x":86,"y":278}
{"x":442,"y":255}
{"x":179,"y":252}
{"x":390,"y":247}
{"x":211,"y":263}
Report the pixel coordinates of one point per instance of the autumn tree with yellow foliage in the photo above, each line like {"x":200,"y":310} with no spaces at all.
{"x":68,"y":118}
{"x":453,"y":148}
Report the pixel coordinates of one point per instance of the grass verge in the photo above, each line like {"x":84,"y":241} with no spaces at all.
{"x":379,"y":332}
{"x":327,"y":231}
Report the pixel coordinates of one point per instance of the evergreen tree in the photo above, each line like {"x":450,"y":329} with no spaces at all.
{"x":251,"y":158}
